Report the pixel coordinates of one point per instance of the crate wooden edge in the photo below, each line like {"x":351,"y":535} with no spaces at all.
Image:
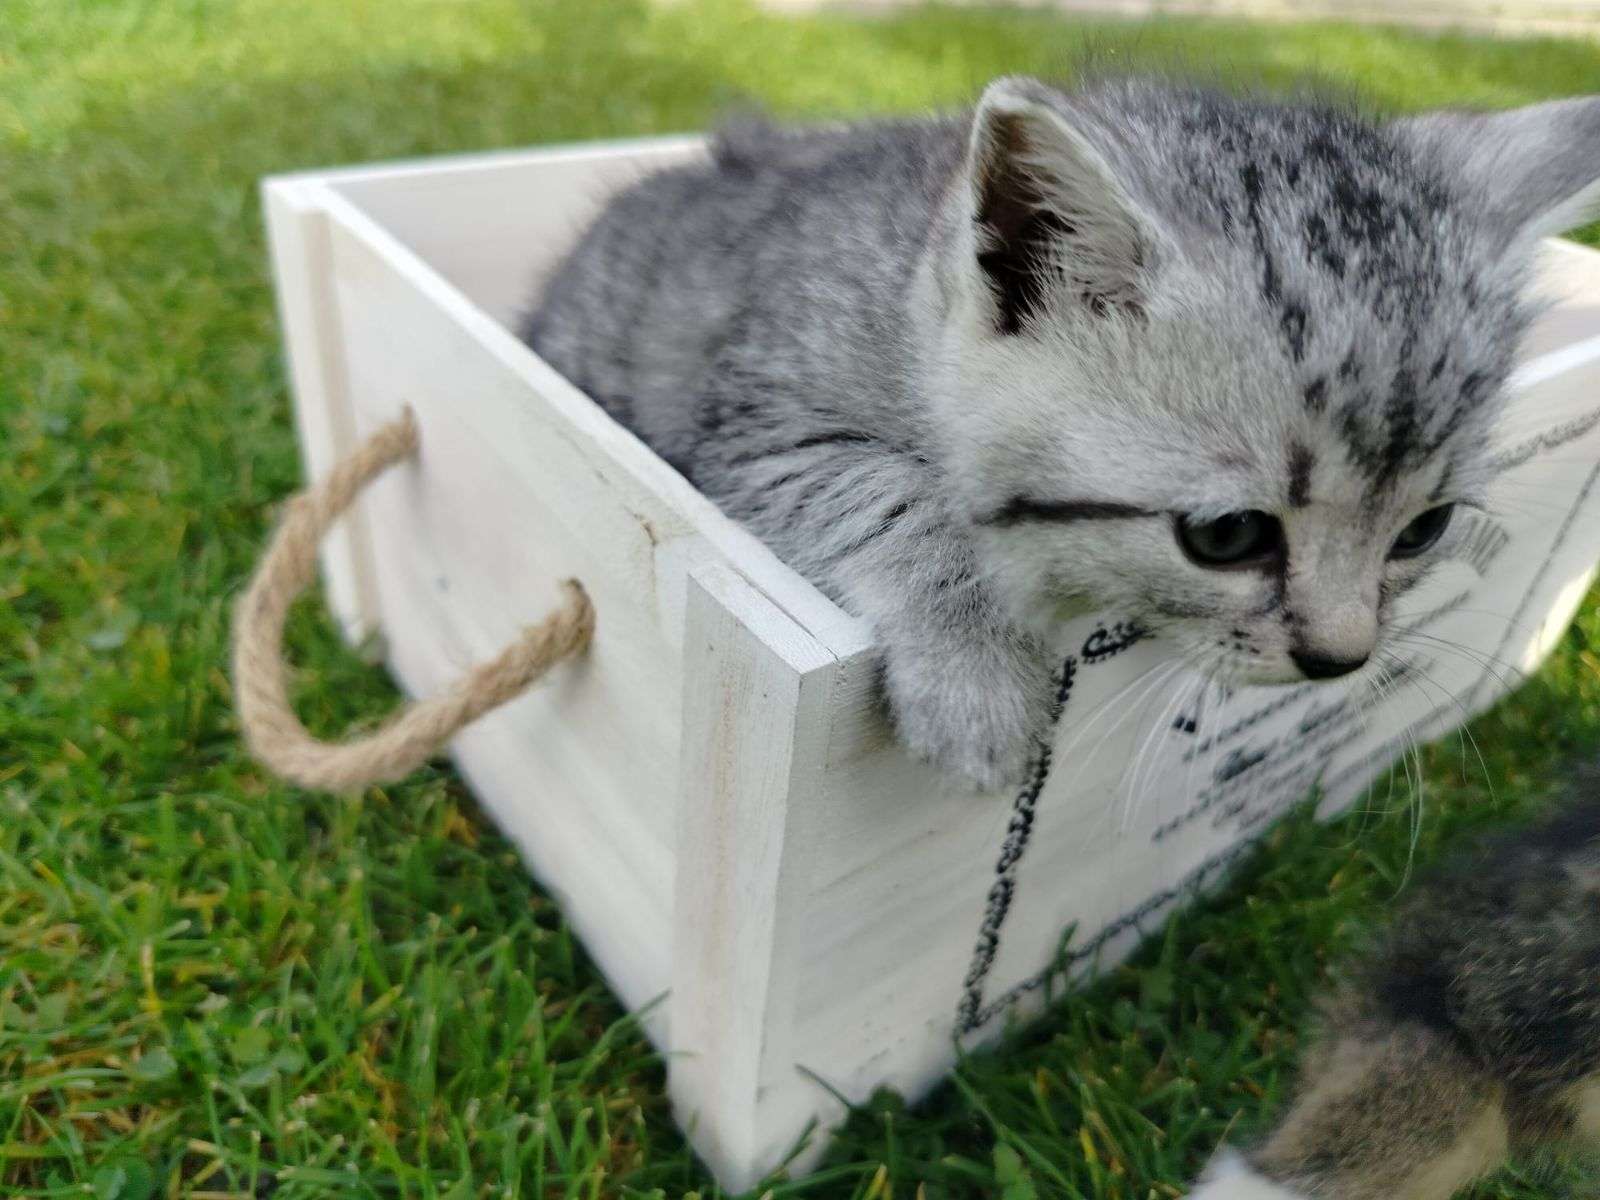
{"x":719,"y":1021}
{"x":760,"y":705}
{"x":297,"y":237}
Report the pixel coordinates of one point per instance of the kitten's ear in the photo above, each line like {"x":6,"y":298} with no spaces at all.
{"x":1050,"y":213}
{"x":1534,"y":170}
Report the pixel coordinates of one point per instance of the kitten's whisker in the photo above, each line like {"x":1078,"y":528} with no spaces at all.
{"x":1153,"y":677}
{"x":1421,"y":799}
{"x":1464,"y":730}
{"x":1413,"y":754}
{"x":1199,"y":718}
{"x":1130,"y":767}
{"x":1368,"y":701}
{"x":1486,"y":662}
{"x":1162,"y":725}
{"x":1388,"y":697}
{"x":1509,"y":622}
{"x":1079,"y":732}
{"x":1482,"y":658}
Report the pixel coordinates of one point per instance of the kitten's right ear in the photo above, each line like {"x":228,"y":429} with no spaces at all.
{"x":1051,"y":216}
{"x":1535,"y":171}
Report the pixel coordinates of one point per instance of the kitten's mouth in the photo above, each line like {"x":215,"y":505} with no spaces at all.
{"x":1255,"y":675}
{"x":1233,"y":656}
{"x":1321,"y":666}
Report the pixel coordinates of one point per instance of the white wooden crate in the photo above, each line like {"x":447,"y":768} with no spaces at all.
{"x":711,"y":791}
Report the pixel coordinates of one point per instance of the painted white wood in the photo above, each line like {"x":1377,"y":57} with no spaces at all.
{"x":472,"y":541}
{"x":757,"y":700}
{"x":297,"y":234}
{"x":712,"y":792}
{"x":507,"y":211}
{"x":525,"y":252}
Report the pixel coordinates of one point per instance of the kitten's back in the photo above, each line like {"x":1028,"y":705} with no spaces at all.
{"x":788,"y":247}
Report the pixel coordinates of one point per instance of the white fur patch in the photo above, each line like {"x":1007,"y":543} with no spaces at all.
{"x":1230,"y":1177}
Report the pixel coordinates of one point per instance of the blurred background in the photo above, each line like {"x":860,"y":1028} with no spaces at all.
{"x":212,"y":985}
{"x":1574,"y":17}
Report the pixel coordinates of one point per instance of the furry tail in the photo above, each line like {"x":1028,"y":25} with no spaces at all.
{"x":1469,"y":1031}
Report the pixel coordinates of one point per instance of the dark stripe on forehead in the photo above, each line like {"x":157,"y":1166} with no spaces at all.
{"x":1024,"y":508}
{"x":1442,"y":488}
{"x":1403,"y":421}
{"x":1446,"y":429}
{"x":1476,"y":386}
{"x":1292,"y":314}
{"x":1301,"y":461}
{"x":1384,"y":441}
{"x":1293,"y":323}
{"x":1416,"y":417}
{"x":1322,"y":247}
{"x":1250,"y":180}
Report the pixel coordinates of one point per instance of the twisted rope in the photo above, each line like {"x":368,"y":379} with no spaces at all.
{"x":260,"y":676}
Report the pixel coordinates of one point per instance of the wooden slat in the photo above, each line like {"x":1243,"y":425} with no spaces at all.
{"x":511,"y":214}
{"x":507,"y":498}
{"x":297,"y":231}
{"x":757,"y":702}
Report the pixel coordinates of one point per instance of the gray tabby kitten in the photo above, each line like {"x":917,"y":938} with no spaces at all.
{"x":1223,"y":366}
{"x":1472,"y":1030}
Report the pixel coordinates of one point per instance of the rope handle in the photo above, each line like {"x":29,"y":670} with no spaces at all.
{"x":413,"y":735}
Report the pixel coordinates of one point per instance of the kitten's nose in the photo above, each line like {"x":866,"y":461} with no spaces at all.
{"x":1317,"y":666}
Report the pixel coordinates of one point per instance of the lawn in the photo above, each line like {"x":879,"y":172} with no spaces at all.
{"x":213,"y":985}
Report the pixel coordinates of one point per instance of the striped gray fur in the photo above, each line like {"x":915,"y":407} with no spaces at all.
{"x":968,"y":372}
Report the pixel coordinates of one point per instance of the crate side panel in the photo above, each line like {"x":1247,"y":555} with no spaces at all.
{"x":902,"y":860}
{"x":302,"y":271}
{"x":496,"y":227}
{"x":505,"y":500}
{"x":757,"y":692}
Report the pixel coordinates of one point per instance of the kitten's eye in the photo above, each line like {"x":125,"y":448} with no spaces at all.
{"x":1422,"y":532}
{"x":1234,"y":538}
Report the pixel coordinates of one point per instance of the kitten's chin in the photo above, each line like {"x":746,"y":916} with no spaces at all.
{"x":1050,"y":617}
{"x":1254,"y":673}
{"x":1261,"y":675}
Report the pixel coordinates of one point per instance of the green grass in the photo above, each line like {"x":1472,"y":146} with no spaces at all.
{"x":211,"y":984}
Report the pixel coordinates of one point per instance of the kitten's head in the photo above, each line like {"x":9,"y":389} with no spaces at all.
{"x":1230,"y":367}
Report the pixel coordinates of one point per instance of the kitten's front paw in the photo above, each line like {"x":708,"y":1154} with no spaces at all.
{"x":978,"y":717}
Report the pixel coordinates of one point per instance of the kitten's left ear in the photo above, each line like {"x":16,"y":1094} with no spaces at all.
{"x":1052,"y":217}
{"x":1535,"y":171}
